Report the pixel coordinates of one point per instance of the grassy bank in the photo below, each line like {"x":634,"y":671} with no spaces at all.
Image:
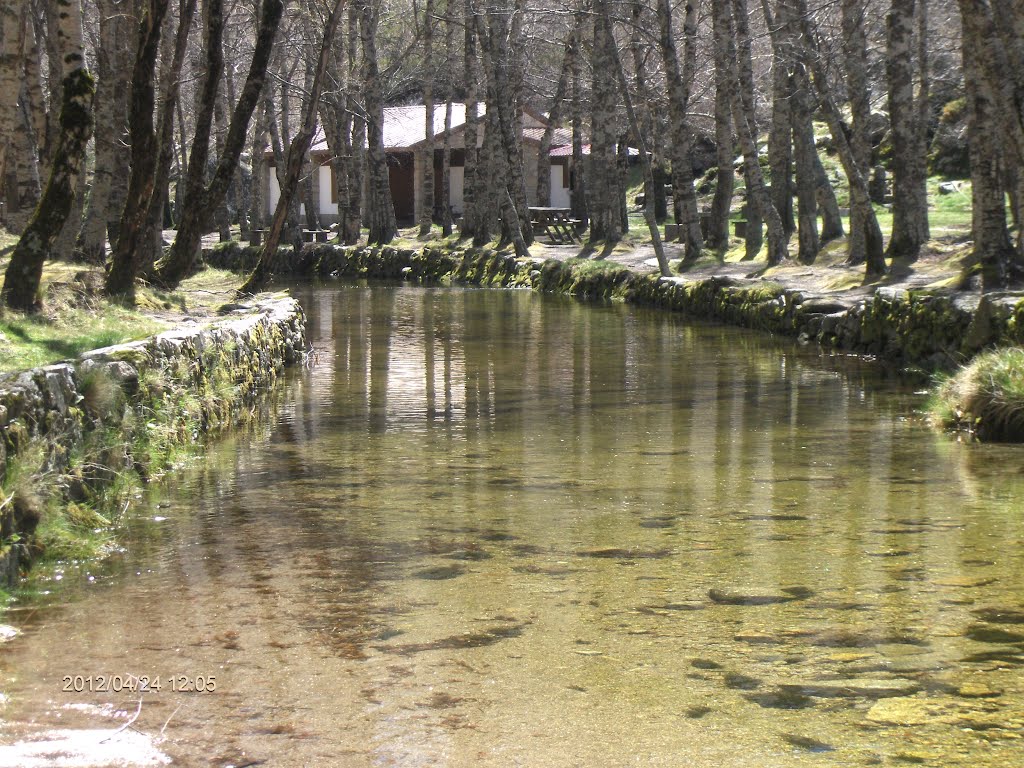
{"x":985,"y":398}
{"x":77,"y":444}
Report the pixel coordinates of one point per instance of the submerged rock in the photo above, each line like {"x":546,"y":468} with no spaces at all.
{"x":788,"y":595}
{"x":977,"y":691}
{"x":805,"y":742}
{"x":965,"y":582}
{"x":457,"y":642}
{"x":1000,"y":615}
{"x":854,"y":637}
{"x":667,"y":609}
{"x":1014,"y":656}
{"x":741,"y":682}
{"x":617,"y":553}
{"x":781,"y":699}
{"x":855,"y":687}
{"x":907,"y":711}
{"x":705,"y":664}
{"x":439,"y":573}
{"x":469,"y":554}
{"x":757,"y":638}
{"x":984,"y":633}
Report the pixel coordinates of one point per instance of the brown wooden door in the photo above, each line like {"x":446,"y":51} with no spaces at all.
{"x":403,"y":193}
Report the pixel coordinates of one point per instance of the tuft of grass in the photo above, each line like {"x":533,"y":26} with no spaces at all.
{"x":985,"y":398}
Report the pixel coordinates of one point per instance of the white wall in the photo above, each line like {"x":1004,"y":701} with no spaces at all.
{"x":456,"y":189}
{"x":559,"y":194}
{"x":324,"y":179}
{"x":275,"y":195}
{"x":275,"y":192}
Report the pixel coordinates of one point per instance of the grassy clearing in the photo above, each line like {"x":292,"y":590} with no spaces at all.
{"x":986,"y":398}
{"x":76,"y":318}
{"x":68,"y":331}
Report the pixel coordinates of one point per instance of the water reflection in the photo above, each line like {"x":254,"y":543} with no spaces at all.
{"x":491,"y":528}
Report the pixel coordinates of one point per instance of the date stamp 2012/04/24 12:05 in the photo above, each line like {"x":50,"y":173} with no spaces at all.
{"x":119,"y":683}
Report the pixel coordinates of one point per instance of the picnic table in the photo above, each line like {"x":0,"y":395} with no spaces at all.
{"x":556,"y":223}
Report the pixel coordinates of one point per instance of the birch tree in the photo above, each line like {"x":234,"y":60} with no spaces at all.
{"x":201,"y":200}
{"x":380,"y":208}
{"x":995,"y":123}
{"x":145,"y":155}
{"x":602,"y":176}
{"x":427,"y":153}
{"x":860,"y":200}
{"x":741,"y":91}
{"x":725,"y":181}
{"x":679,"y":82}
{"x":24,"y":122}
{"x":855,"y":59}
{"x":25,"y":270}
{"x":909,"y":151}
{"x":297,"y":152}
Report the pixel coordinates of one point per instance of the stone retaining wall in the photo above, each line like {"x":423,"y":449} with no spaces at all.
{"x":930,"y":330}
{"x":76,"y":424}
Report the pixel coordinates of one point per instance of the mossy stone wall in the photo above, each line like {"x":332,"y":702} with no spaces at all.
{"x":124,"y":407}
{"x":928,"y":330}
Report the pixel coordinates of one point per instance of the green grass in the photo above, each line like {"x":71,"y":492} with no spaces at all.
{"x":949,"y":215}
{"x":34,"y":340}
{"x":985,"y":398}
{"x":583,"y":267}
{"x":76,"y":319}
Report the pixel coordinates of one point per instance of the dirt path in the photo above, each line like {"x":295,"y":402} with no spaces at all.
{"x":938,"y":268}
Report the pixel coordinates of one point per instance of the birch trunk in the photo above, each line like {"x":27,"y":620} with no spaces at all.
{"x":831,"y":219}
{"x":743,"y":95}
{"x":645,"y":160}
{"x":502,"y":86}
{"x":111,"y":136}
{"x":130,"y":248}
{"x":578,"y":198}
{"x":780,"y":135}
{"x":860,"y":200}
{"x":801,"y":106}
{"x":602,"y":174}
{"x":993,"y":251}
{"x":554,"y":115}
{"x":759,"y":204}
{"x":446,"y":149}
{"x":381,"y":210}
{"x":725,"y":179}
{"x":25,"y":270}
{"x":855,"y":53}
{"x":12,"y":122}
{"x":909,"y":175}
{"x":170,"y":84}
{"x":684,"y":195}
{"x":470,"y":208}
{"x":427,"y":153}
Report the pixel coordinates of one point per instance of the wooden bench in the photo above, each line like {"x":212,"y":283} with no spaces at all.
{"x":256,"y":236}
{"x":315,"y":235}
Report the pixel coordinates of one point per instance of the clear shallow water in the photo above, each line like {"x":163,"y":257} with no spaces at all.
{"x":500,"y":529}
